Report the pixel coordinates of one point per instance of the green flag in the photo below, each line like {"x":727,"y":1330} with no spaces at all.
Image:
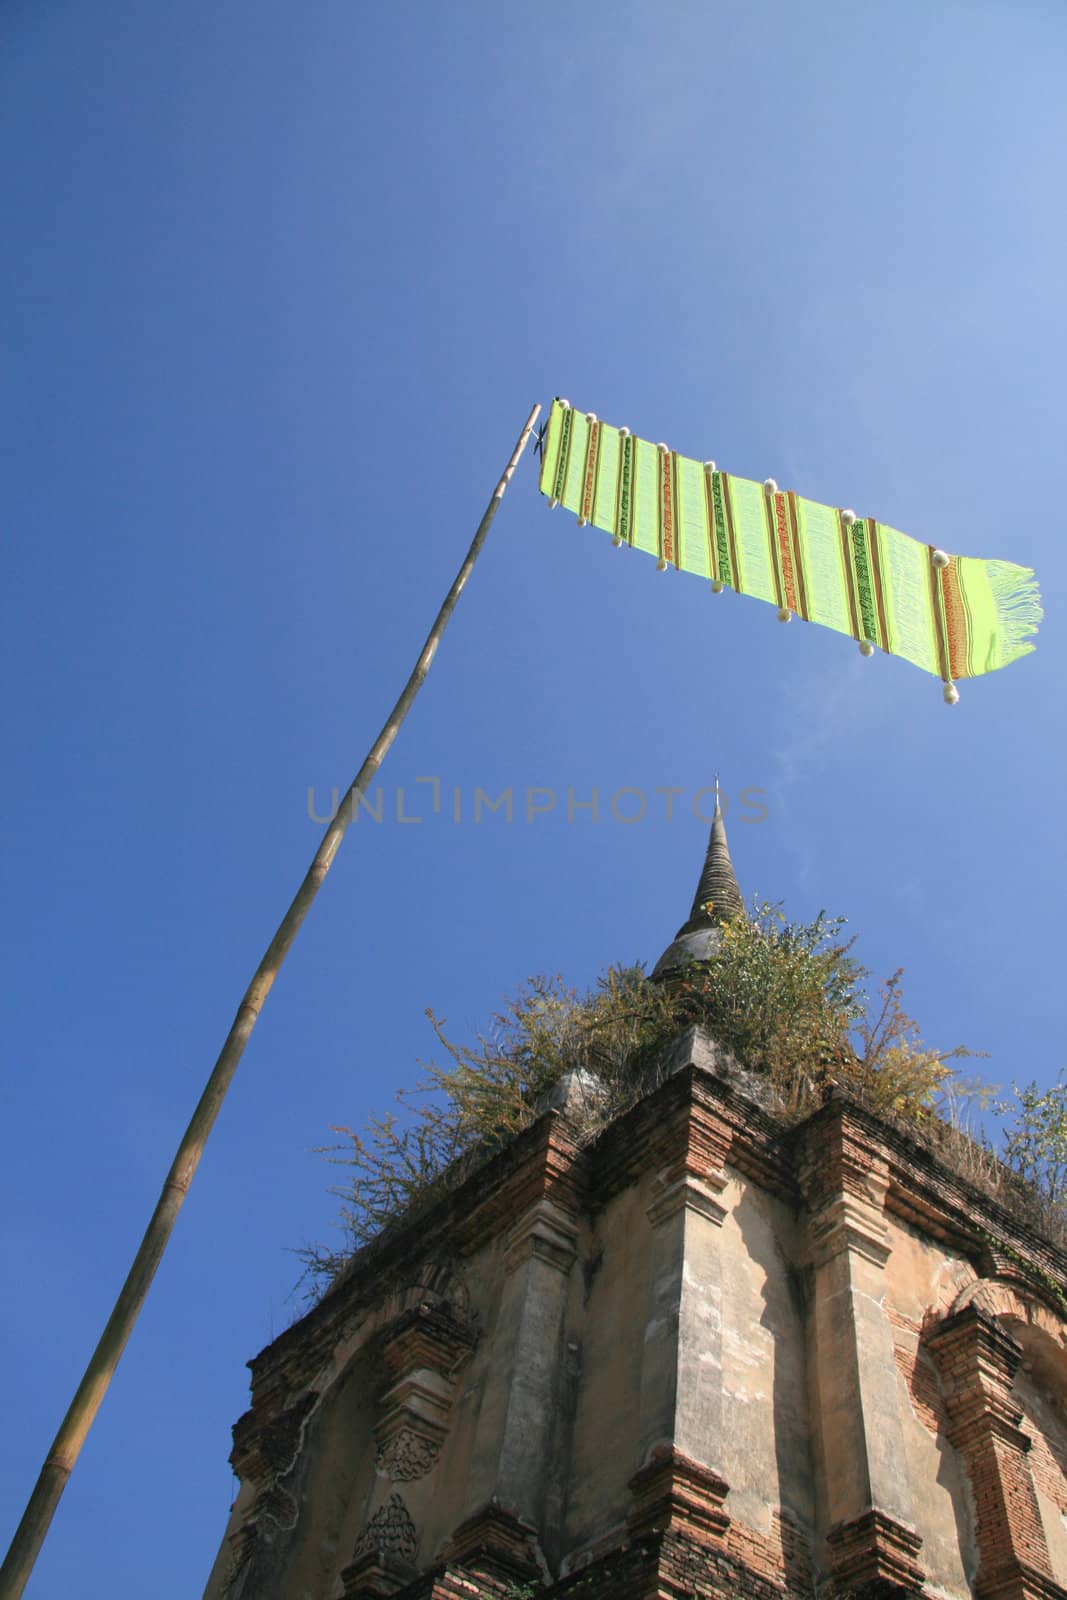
{"x":954,"y":616}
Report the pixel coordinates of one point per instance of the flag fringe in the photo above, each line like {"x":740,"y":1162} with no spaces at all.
{"x":1018,"y":605}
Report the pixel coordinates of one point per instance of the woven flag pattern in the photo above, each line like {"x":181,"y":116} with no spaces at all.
{"x":954,"y":616}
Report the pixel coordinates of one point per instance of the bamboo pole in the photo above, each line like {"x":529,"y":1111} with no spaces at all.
{"x":59,"y":1463}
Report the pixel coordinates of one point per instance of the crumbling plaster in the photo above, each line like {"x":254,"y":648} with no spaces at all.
{"x":699,"y":1281}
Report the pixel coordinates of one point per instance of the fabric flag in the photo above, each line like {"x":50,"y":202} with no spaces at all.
{"x":953,"y":616}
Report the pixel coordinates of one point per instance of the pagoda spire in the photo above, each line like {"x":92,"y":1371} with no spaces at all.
{"x":718,"y":898}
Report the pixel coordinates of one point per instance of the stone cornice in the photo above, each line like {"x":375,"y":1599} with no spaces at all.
{"x":925,"y":1192}
{"x":495,"y":1543}
{"x":549,"y":1168}
{"x":719,"y":1125}
{"x":427,"y":1336}
{"x":873,"y":1554}
{"x":672,"y":1493}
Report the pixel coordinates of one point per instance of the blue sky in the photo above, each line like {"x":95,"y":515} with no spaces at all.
{"x":279,"y":285}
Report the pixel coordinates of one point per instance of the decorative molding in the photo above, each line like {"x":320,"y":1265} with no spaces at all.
{"x":672,"y":1493}
{"x":407,"y":1454}
{"x":495,"y":1542}
{"x":874,"y":1557}
{"x":391,"y":1529}
{"x":844,"y":1178}
{"x":413,"y":1424}
{"x":848,"y":1223}
{"x":543,"y":1163}
{"x":423,"y":1352}
{"x":383,"y":1560}
{"x":671,"y":1194}
{"x":711,"y":1120}
{"x":547,"y":1232}
{"x":430,"y":1337}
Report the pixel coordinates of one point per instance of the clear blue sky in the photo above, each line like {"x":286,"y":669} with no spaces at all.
{"x":279,"y":284}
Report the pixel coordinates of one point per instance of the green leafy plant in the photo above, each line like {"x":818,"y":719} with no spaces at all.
{"x":781,"y":997}
{"x":895,"y":1070}
{"x":1035,"y":1147}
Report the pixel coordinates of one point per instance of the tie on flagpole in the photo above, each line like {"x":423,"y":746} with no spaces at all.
{"x":59,"y":1463}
